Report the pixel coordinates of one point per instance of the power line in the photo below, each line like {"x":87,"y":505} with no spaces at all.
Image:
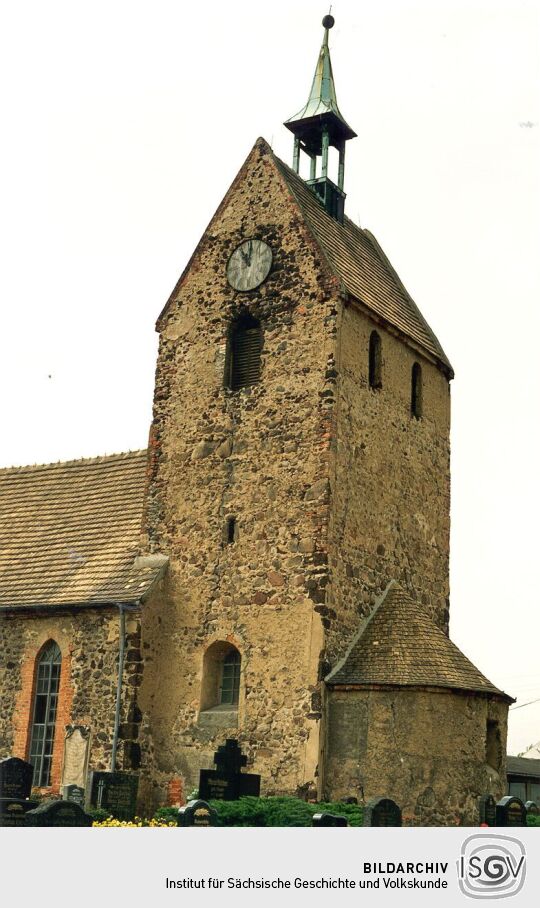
{"x":526,"y":704}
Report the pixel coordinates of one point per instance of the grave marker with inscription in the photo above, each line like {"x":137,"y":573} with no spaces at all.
{"x":15,"y":778}
{"x":74,"y":793}
{"x":532,"y":808}
{"x":13,"y":811}
{"x":487,"y":809}
{"x":382,"y":812}
{"x":76,"y":753}
{"x":328,"y":819}
{"x":227,"y":782}
{"x":511,"y":812}
{"x":15,"y":787}
{"x":197,"y":813}
{"x":58,"y":813}
{"x":115,"y":792}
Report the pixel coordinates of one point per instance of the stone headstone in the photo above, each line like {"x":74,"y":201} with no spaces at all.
{"x":197,"y":813}
{"x":115,"y":792}
{"x":227,"y":782}
{"x":15,"y":778}
{"x":511,"y":812}
{"x":328,"y":819}
{"x":532,"y":808}
{"x":74,"y":793}
{"x":58,"y":813}
{"x":487,"y":809}
{"x":382,"y":812}
{"x":76,"y":753}
{"x":13,"y":811}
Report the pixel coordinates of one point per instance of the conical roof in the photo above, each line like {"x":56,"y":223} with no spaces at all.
{"x":399,"y":644}
{"x":322,"y":101}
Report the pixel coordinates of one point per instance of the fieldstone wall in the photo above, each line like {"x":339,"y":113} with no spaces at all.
{"x":88,"y":641}
{"x":335,"y":490}
{"x":427,"y":750}
{"x":260,"y":455}
{"x":390,"y":480}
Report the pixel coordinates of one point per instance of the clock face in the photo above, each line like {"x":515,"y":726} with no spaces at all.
{"x":249,"y":265}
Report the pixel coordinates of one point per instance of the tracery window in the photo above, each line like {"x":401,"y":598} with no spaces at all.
{"x":47,"y":683}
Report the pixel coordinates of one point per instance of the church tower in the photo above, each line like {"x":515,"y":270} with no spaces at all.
{"x":298,"y":463}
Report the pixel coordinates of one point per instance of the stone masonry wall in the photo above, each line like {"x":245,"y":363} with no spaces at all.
{"x":259,"y":455}
{"x":89,"y":645}
{"x":424,"y":749}
{"x":390,"y":482}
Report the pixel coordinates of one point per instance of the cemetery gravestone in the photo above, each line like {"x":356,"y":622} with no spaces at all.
{"x":227,"y":782}
{"x":15,"y":778}
{"x":58,"y":813}
{"x":382,"y":812}
{"x":13,"y":811}
{"x":488,"y":810}
{"x":532,"y":808}
{"x":74,"y":793}
{"x":115,"y":792}
{"x":76,"y":753}
{"x":15,"y":787}
{"x":197,"y":813}
{"x":511,"y":812}
{"x":328,"y":819}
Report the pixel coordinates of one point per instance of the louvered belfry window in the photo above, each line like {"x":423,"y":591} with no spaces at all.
{"x":245,"y":345}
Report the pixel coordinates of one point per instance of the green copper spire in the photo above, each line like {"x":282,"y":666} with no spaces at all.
{"x":322,"y":98}
{"x":317,"y":126}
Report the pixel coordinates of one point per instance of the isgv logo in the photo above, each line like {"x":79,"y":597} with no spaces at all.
{"x":491,"y":866}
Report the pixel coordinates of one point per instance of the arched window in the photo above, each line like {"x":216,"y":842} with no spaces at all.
{"x":230,"y":679}
{"x":243,"y":366}
{"x":416,"y":391}
{"x":375,"y":365}
{"x":47,"y":682}
{"x":221,"y":677}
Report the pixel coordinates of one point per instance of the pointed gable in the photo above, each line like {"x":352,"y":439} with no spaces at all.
{"x":399,"y":644}
{"x":350,"y":256}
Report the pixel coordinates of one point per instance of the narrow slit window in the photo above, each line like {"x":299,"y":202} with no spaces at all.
{"x":244,"y":353}
{"x":416,"y":391}
{"x":231,"y":530}
{"x":47,"y":685}
{"x":375,"y":364}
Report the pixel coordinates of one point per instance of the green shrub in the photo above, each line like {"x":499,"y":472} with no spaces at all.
{"x":98,"y":814}
{"x":533,"y":821}
{"x":166,"y":814}
{"x":280,"y":812}
{"x":271,"y":812}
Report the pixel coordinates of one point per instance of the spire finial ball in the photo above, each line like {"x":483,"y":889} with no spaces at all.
{"x":328,"y":21}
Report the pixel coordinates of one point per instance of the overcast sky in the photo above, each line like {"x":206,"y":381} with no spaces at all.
{"x":123,"y":124}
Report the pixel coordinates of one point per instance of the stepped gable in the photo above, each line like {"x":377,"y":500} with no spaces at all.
{"x":366,"y":274}
{"x":400,"y":645}
{"x":69,"y":532}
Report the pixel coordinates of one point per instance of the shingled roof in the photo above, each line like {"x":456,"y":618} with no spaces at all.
{"x":69,"y":532}
{"x":400,"y":644}
{"x":363,"y":269}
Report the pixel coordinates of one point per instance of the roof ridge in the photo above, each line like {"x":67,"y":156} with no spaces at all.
{"x":100,"y":458}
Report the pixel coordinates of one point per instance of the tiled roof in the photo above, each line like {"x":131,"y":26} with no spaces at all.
{"x":363,"y":269}
{"x":400,"y":644}
{"x":69,"y":532}
{"x":522,"y":766}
